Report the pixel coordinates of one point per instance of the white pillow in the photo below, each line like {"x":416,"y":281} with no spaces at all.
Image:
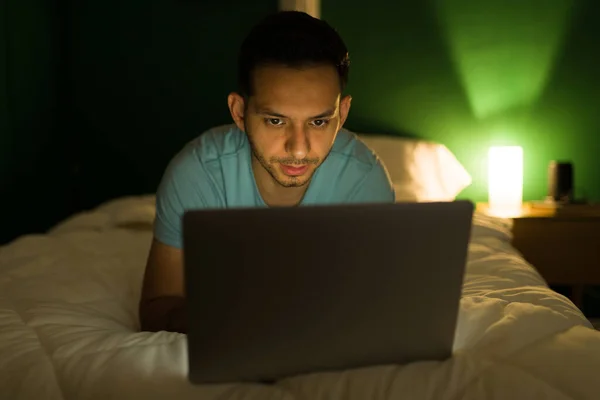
{"x":419,"y":170}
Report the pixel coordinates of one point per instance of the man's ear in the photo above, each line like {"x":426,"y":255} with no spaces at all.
{"x":237,"y":106}
{"x":344,"y":108}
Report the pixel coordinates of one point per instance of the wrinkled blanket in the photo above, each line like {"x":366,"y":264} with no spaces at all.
{"x":68,"y":321}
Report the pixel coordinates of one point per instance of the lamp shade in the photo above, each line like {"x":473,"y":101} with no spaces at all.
{"x":505,"y":181}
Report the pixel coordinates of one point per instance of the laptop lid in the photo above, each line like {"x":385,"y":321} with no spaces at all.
{"x":278,"y":292}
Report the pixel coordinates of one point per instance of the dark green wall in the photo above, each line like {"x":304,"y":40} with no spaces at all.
{"x":471,"y":74}
{"x":97,"y":96}
{"x":146,"y":78}
{"x":34,"y":189}
{"x":4,"y":114}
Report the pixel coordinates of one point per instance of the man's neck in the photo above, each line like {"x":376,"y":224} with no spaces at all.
{"x":272,"y":193}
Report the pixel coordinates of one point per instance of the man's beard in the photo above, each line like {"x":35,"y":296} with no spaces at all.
{"x":271,"y":168}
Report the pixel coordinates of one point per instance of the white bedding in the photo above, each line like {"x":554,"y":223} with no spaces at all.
{"x":68,"y":315}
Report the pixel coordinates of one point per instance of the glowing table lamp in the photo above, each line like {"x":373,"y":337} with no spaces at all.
{"x":505,"y":181}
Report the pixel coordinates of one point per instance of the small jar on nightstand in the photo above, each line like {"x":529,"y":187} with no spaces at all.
{"x":562,"y":243}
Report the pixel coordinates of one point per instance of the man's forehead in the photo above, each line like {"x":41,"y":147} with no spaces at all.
{"x":295,"y":110}
{"x":279,"y":80}
{"x":298,"y":93}
{"x":278,"y":106}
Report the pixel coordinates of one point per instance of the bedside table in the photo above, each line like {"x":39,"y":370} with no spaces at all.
{"x":563,"y":244}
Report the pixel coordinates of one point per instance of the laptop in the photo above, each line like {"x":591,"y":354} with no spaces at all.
{"x":279,"y":292}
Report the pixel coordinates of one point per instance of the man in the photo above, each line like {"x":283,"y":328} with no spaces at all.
{"x":286,"y":148}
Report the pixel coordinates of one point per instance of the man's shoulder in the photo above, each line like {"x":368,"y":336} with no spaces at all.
{"x":193,"y":179}
{"x":349,"y":148}
{"x":215,"y":143}
{"x":206,"y":154}
{"x":352,"y":173}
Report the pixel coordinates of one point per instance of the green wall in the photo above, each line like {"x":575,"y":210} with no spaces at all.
{"x":146,"y":78}
{"x":471,"y":74}
{"x":97,"y":96}
{"x":34,"y":182}
{"x":4,"y":114}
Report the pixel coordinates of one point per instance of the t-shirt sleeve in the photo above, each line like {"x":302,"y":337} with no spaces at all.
{"x":375,"y":187}
{"x":185,"y":185}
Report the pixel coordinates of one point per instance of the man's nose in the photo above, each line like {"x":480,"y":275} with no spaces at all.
{"x":298,"y":144}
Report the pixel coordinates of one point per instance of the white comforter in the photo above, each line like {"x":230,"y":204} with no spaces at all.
{"x":68,"y":317}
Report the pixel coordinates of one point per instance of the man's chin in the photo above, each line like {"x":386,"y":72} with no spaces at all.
{"x":293,"y":182}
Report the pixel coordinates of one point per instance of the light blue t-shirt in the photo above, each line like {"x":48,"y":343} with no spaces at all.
{"x":214,"y":171}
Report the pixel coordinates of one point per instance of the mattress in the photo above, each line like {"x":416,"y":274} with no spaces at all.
{"x":68,"y":327}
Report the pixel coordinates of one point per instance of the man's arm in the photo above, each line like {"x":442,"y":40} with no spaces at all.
{"x":184,"y":186}
{"x":162,"y":304}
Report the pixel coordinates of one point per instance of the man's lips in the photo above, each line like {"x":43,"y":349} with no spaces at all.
{"x":291,"y":170}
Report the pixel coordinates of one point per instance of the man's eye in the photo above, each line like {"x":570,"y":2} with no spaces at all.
{"x":274,"y":121}
{"x":320,"y":122}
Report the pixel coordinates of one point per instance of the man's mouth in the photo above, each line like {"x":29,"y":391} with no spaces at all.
{"x":294,"y":170}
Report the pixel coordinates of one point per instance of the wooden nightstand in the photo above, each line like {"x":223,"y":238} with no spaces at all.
{"x":563,"y":244}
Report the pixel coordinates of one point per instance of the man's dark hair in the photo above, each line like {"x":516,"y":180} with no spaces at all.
{"x":292,"y":39}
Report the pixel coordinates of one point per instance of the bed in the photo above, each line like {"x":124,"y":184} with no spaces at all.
{"x":69,"y":330}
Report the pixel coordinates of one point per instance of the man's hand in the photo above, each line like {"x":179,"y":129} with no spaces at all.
{"x":162,"y":304}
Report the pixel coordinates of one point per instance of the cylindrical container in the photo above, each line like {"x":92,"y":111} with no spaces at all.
{"x":560,"y":182}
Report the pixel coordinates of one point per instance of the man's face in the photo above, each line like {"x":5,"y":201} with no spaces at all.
{"x":292,"y":120}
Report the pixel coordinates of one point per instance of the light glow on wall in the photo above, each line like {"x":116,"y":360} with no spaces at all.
{"x":504,"y":50}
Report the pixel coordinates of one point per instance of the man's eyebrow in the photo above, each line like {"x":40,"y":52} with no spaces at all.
{"x":328,"y":113}
{"x":267,"y":111}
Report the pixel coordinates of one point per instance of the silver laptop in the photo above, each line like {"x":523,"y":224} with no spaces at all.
{"x":279,"y":292}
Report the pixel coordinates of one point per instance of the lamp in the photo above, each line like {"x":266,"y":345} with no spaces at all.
{"x":505,"y":181}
